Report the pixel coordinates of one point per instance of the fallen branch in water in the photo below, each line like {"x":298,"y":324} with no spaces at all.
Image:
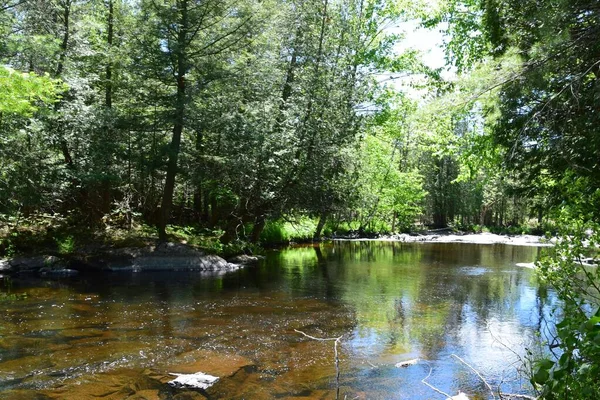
{"x":424,"y":381}
{"x":461,"y":395}
{"x":337,"y":358}
{"x":477,"y":373}
{"x":502,"y":395}
{"x":521,"y":371}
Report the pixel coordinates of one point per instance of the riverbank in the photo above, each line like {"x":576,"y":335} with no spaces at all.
{"x":68,"y":254}
{"x":472,"y":238}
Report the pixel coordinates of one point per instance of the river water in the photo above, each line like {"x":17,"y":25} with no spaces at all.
{"x":118,"y":336}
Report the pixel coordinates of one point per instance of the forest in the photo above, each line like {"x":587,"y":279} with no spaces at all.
{"x":231,"y":116}
{"x":244,"y":122}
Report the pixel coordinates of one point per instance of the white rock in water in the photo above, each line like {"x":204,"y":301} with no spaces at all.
{"x":526,"y":265}
{"x":404,"y":364}
{"x":459,"y":396}
{"x":196,"y":381}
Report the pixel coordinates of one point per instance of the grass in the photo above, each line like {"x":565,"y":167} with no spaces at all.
{"x":287,"y":231}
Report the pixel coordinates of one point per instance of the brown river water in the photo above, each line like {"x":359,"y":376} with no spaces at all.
{"x":118,"y":336}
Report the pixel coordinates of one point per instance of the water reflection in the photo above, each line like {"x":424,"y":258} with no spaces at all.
{"x":430,"y":301}
{"x":391,"y":301}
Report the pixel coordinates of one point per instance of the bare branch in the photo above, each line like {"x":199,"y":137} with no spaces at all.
{"x":337,"y":358}
{"x":477,"y":373}
{"x":220,"y":38}
{"x":9,"y":6}
{"x":424,"y":381}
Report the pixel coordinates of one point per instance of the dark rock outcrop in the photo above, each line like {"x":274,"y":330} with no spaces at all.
{"x":160,"y":257}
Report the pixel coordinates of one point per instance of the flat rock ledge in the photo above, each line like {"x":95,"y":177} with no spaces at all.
{"x":160,"y":257}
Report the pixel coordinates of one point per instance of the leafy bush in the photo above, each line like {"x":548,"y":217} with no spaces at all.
{"x":574,"y":372}
{"x":65,"y":244}
{"x":338,"y":228}
{"x":280,"y":231}
{"x":274,"y":232}
{"x":206,"y":239}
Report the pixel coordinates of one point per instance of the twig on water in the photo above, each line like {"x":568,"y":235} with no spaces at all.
{"x":424,"y":381}
{"x":477,"y":373}
{"x":337,"y":358}
{"x":519,"y":360}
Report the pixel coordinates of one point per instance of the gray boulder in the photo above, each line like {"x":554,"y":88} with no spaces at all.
{"x":32,"y":264}
{"x":162,"y":257}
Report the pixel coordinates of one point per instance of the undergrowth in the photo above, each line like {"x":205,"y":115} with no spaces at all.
{"x":287,"y":231}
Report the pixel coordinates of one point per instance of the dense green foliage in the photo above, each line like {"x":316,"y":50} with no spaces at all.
{"x":230,"y":116}
{"x":542,"y":120}
{"x":220,"y":114}
{"x":574,"y":371}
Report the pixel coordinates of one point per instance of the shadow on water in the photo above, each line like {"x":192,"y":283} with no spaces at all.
{"x":118,"y":335}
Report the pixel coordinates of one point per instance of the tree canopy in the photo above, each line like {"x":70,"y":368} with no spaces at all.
{"x":227,"y":115}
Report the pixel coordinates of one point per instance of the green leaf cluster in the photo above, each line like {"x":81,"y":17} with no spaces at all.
{"x":22,"y":93}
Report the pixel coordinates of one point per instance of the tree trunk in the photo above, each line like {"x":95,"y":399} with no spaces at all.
{"x":65,"y":40}
{"x":173,"y":152}
{"x":257,"y":229}
{"x":199,"y":199}
{"x":109,"y":42}
{"x":64,"y":148}
{"x":320,"y":225}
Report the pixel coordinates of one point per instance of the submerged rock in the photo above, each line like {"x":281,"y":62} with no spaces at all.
{"x":189,"y":396}
{"x":23,"y":395}
{"x":214,"y":363}
{"x":407,"y":363}
{"x":198,"y":380}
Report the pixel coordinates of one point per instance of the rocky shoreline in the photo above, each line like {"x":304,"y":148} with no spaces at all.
{"x":472,"y":238}
{"x":182,"y":257}
{"x":159,"y":257}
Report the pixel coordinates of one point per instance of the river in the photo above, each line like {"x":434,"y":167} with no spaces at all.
{"x":119,"y":335}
